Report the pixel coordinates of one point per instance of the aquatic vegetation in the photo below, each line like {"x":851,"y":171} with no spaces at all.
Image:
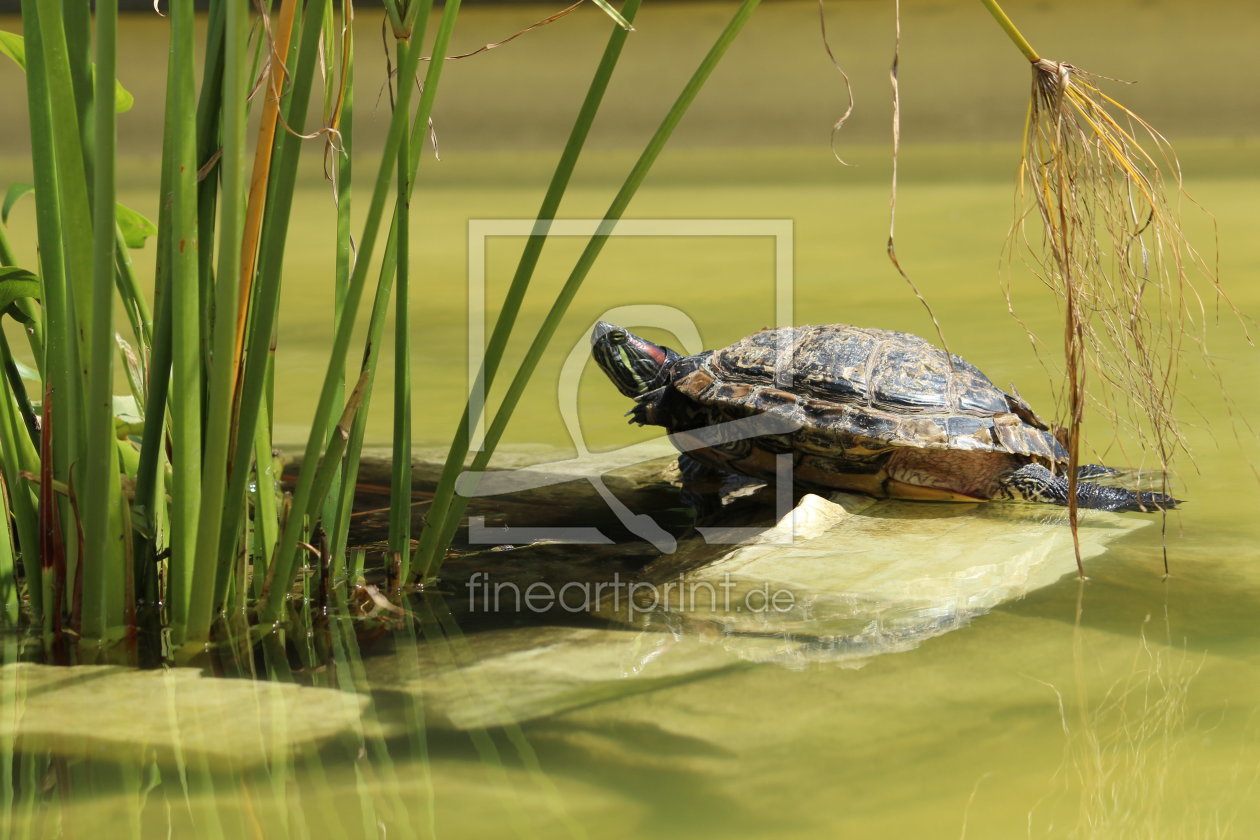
{"x":1100,"y":184}
{"x":171,"y":515}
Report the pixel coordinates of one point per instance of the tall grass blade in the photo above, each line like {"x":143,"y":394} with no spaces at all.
{"x":339,"y":115}
{"x":286,"y":554}
{"x":252,"y":436}
{"x":400,"y":474}
{"x":175,"y":363}
{"x":510,"y":310}
{"x":409,"y":154}
{"x":447,"y":518}
{"x":9,"y":582}
{"x":354,"y":446}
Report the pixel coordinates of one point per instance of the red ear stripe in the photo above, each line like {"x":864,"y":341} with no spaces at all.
{"x":654,"y":351}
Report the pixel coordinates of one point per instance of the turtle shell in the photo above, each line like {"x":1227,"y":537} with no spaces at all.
{"x":853,"y":389}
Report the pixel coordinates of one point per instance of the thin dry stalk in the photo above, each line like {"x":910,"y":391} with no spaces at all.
{"x":848,"y":86}
{"x":892,"y":198}
{"x":535,"y":25}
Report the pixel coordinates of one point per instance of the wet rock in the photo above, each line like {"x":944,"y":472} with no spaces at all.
{"x":850,"y":577}
{"x":837,"y":580}
{"x":178,"y":716}
{"x":499,"y":678}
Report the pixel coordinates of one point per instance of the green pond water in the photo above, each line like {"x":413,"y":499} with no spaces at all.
{"x":1126,"y":706}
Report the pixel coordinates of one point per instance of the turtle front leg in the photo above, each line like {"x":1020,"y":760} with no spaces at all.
{"x":701,"y":486}
{"x":1035,"y":483}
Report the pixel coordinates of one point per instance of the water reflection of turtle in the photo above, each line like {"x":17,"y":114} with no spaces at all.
{"x":873,"y":411}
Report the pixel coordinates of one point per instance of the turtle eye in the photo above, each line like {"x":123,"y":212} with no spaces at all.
{"x":617,"y":337}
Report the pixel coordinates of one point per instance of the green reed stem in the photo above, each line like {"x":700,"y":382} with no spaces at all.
{"x":400,"y":473}
{"x":252,"y":390}
{"x":71,"y":176}
{"x":18,"y":388}
{"x":266,"y":504}
{"x":60,"y":366}
{"x":337,"y":512}
{"x":392,"y":264}
{"x":400,"y":498}
{"x":447,"y":520}
{"x":401,"y":30}
{"x":77,"y":22}
{"x":354,"y":446}
{"x":285,"y":560}
{"x":400,"y":485}
{"x":103,"y":563}
{"x":19,"y":502}
{"x":209,"y":119}
{"x":219,"y":413}
{"x":430,"y":542}
{"x":176,"y":362}
{"x":1011,"y":31}
{"x":150,"y":515}
{"x":134,"y":303}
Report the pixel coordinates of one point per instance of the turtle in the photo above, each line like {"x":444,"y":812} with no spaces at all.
{"x":858,"y":409}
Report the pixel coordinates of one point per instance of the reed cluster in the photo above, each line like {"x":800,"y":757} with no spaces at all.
{"x":162,"y":506}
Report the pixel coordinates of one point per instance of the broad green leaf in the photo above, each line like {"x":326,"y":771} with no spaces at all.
{"x":123,"y":100}
{"x":135,"y":227}
{"x":614,"y":14}
{"x":128,"y":418}
{"x":14,"y":47}
{"x":127,"y":409}
{"x":12,"y":195}
{"x":17,"y":283}
{"x":26,"y":371}
{"x":125,"y":431}
{"x":128,"y":459}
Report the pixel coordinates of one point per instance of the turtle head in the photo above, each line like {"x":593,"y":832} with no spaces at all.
{"x":635,"y":365}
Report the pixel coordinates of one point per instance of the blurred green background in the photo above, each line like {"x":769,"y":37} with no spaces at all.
{"x":755,"y":145}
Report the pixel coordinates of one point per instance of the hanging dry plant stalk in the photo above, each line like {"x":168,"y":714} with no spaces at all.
{"x":1110,"y":245}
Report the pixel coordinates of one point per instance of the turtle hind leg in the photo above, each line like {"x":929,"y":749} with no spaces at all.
{"x":1035,"y":483}
{"x":1088,"y":471}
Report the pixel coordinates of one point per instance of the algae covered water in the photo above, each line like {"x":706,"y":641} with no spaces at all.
{"x":1124,"y":706}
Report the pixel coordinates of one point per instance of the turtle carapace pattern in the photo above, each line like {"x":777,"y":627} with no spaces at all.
{"x":864,"y":410}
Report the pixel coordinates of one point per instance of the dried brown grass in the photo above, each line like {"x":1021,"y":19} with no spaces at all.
{"x":1100,"y":192}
